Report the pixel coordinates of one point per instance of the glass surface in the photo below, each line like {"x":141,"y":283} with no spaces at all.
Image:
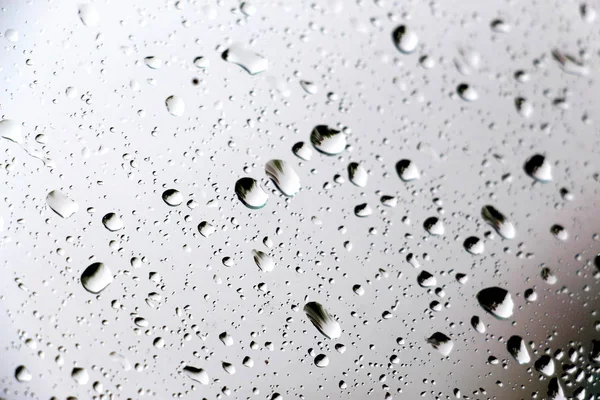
{"x":299,"y":199}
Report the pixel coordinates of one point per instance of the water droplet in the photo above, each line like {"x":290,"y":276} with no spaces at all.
{"x":112,"y":222}
{"x":496,"y":301}
{"x":80,"y":375}
{"x":425,"y":279}
{"x":11,"y":130}
{"x":524,"y":107}
{"x":153,"y":62}
{"x":474,"y":245}
{"x":517,"y":348}
{"x":327,"y":140}
{"x":559,"y":232}
{"x":61,"y":204}
{"x":538,"y":168}
{"x":175,"y":105}
{"x":302,"y":151}
{"x":407,"y":170}
{"x":12,"y":35}
{"x":206,"y":229}
{"x":357,"y":174}
{"x":321,"y":361}
{"x":252,"y":62}
{"x":322,"y":320}
{"x":96,"y":277}
{"x":263,"y":261}
{"x":434,"y":226}
{"x":250,"y":193}
{"x":478,"y":324}
{"x":309,"y":87}
{"x":363,"y":210}
{"x":226,"y":338}
{"x":22,"y":374}
{"x":467,"y":92}
{"x":405,"y":39}
{"x":89,"y":15}
{"x":284,"y":177}
{"x":196,"y":374}
{"x":498,"y":221}
{"x":545,"y":365}
{"x":228,"y":367}
{"x":570,"y":64}
{"x":172,"y":197}
{"x":441,"y":343}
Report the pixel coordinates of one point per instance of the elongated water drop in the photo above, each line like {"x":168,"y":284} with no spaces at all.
{"x":252,"y":62}
{"x":196,"y":374}
{"x":518,"y":349}
{"x":322,"y":320}
{"x":441,"y":342}
{"x":357,"y":174}
{"x":284,"y":176}
{"x":498,"y":221}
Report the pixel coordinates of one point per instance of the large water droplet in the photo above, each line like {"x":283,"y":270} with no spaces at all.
{"x":80,"y":375}
{"x":498,"y":221}
{"x":96,"y":277}
{"x":441,"y":343}
{"x":89,"y":15}
{"x":11,"y":130}
{"x":327,"y":140}
{"x":263,"y":261}
{"x":61,"y":204}
{"x":405,"y":39}
{"x":496,"y":301}
{"x":172,"y":197}
{"x":357,"y":174}
{"x":518,"y":349}
{"x":112,"y":222}
{"x":407,"y":170}
{"x":322,"y":320}
{"x":538,"y":168}
{"x":22,"y":374}
{"x":252,"y":62}
{"x":175,"y":105}
{"x":250,"y":193}
{"x":196,"y":374}
{"x":284,"y":176}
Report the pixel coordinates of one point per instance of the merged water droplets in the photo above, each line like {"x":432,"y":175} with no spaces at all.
{"x":322,"y":320}
{"x":250,"y":193}
{"x":250,"y":61}
{"x":61,"y":204}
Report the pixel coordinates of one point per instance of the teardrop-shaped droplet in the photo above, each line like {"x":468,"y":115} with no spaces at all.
{"x":321,"y":361}
{"x":250,"y":61}
{"x":322,"y":320}
{"x":407,"y":170}
{"x":263,"y":261}
{"x":357,"y":174}
{"x":405,"y":39}
{"x":441,"y":343}
{"x":498,"y":221}
{"x":61,"y":204}
{"x":363,"y":210}
{"x":496,"y":301}
{"x":228,"y":367}
{"x":284,"y":176}
{"x":545,"y":365}
{"x":80,"y":375}
{"x":309,"y":87}
{"x":96,"y":277}
{"x":518,"y":349}
{"x":538,"y":168}
{"x":250,"y":193}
